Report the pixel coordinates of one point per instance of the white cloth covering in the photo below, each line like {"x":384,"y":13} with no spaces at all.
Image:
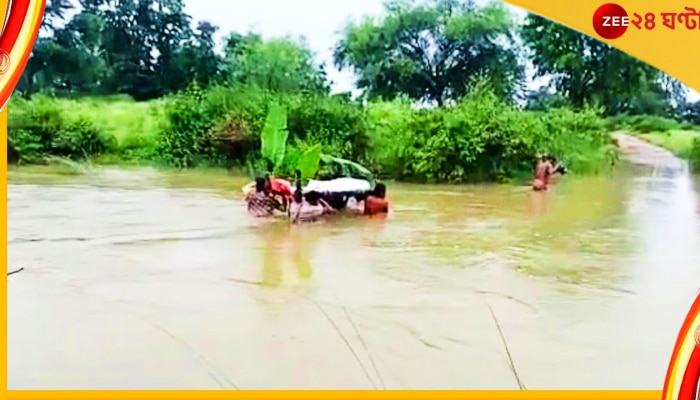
{"x":338,"y":185}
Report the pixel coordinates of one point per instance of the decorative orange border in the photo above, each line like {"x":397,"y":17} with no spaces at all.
{"x":379,"y":395}
{"x":3,"y":237}
{"x":18,"y":36}
{"x":684,"y":369}
{"x":673,"y":54}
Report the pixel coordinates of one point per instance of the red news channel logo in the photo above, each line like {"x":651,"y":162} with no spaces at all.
{"x":611,"y":21}
{"x":4,"y":62}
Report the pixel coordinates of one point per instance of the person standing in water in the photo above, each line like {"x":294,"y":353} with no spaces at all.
{"x":261,"y":203}
{"x":546,"y":168}
{"x":307,"y":208}
{"x":540,"y":174}
{"x":310,"y":208}
{"x":376,"y":202}
{"x":279,"y":188}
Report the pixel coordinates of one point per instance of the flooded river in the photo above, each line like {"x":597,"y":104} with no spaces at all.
{"x":138,"y":279}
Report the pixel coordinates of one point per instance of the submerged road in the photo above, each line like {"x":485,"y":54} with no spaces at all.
{"x":137,"y":279}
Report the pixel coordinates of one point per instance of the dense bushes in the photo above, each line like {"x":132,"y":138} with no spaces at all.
{"x":481,"y":138}
{"x":646,"y":124}
{"x":42,"y":128}
{"x":694,"y":155}
{"x":223,"y":126}
{"x":478,"y":138}
{"x":82,"y":129}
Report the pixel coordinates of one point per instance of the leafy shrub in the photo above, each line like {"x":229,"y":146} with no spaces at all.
{"x":233,"y":140}
{"x":224,"y":124}
{"x":616,"y":123}
{"x":24,"y":146}
{"x":185,"y":141}
{"x":81,"y":139}
{"x":645,"y":123}
{"x":389,"y":137}
{"x":694,"y":155}
{"x":335,"y":122}
{"x":579,"y":139}
{"x":651,"y":123}
{"x":42,"y":127}
{"x":482,"y":138}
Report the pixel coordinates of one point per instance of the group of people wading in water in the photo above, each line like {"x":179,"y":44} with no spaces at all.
{"x":273,"y":197}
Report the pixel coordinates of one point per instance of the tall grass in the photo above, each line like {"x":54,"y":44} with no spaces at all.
{"x":681,"y":138}
{"x":133,"y":124}
{"x":118,"y":125}
{"x":647,"y":124}
{"x":677,"y":141}
{"x":694,"y":155}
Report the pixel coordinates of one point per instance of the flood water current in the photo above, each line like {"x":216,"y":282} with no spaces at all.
{"x":143,"y":279}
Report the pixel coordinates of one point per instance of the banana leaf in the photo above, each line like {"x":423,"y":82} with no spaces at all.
{"x":308,"y":162}
{"x":256,"y":168}
{"x":348,"y":168}
{"x":274,"y":135}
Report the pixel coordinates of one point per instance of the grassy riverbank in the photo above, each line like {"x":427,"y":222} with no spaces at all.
{"x":684,"y":144}
{"x":203,"y":102}
{"x":679,"y":142}
{"x":480,"y":138}
{"x":682,"y":139}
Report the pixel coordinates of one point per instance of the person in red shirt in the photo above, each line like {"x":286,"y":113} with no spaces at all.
{"x":376,"y":202}
{"x":279,"y":188}
{"x":261,"y":203}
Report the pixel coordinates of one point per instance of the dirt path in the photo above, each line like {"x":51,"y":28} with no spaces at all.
{"x":644,"y":153}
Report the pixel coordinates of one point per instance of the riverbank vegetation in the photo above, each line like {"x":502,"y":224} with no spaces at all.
{"x":443,"y":93}
{"x":680,"y":142}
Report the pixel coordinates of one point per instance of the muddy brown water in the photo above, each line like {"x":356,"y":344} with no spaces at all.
{"x":139,"y":279}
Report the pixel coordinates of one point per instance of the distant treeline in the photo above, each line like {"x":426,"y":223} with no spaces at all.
{"x":426,"y":50}
{"x":444,"y":91}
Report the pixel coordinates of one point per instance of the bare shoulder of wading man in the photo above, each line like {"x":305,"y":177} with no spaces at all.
{"x":376,"y":202}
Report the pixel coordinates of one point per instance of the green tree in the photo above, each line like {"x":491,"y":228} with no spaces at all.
{"x":169,"y":31}
{"x":198,"y":59}
{"x":144,"y":48}
{"x":543,"y":99}
{"x":586,"y":70}
{"x":55,"y":12}
{"x":70,"y":60}
{"x":141,"y":40}
{"x":689,"y":111}
{"x":430,"y":51}
{"x":278,"y":65}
